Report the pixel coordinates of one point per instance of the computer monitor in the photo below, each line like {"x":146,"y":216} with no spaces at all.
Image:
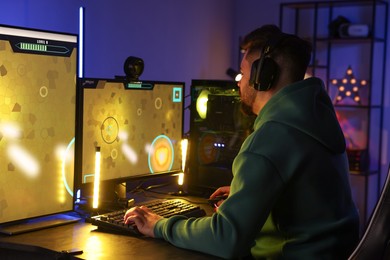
{"x":138,"y":128}
{"x":37,"y":124}
{"x":218,"y":128}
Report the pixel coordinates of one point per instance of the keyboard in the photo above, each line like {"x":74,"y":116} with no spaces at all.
{"x":113,"y":221}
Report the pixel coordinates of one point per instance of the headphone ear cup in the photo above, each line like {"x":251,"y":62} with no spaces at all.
{"x":268,"y":73}
{"x":254,"y":77}
{"x":263,"y":73}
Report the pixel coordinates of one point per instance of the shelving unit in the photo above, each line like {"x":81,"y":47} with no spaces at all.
{"x":361,"y":119}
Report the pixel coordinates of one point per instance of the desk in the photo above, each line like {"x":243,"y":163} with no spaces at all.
{"x":98,"y":245}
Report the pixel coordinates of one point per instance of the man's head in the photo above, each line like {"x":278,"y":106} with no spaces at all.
{"x":283,"y":59}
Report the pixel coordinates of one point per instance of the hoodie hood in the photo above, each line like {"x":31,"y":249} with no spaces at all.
{"x":305,"y":106}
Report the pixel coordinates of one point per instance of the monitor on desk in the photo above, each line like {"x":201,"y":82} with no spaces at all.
{"x":37,"y":123}
{"x":137,"y":127}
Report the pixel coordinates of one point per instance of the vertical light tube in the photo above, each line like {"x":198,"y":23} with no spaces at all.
{"x":95,"y":203}
{"x":180,"y":180}
{"x":81,"y":42}
{"x":184,"y":145}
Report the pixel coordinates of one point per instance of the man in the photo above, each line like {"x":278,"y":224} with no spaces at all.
{"x":290,"y":195}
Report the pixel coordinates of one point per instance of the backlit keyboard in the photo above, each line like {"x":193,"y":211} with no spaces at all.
{"x":113,"y":221}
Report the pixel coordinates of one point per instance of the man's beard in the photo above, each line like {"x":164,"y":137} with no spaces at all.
{"x":246,"y":109}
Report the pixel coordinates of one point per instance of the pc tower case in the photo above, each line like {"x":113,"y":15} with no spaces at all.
{"x":217,"y":131}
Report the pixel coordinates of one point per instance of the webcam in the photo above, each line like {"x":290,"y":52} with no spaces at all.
{"x":133,"y":68}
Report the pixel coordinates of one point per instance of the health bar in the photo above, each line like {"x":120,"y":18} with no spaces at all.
{"x":42,"y":48}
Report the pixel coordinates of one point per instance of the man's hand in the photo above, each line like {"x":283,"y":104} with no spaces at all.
{"x":217,"y":198}
{"x":143,"y":218}
{"x":221,"y":192}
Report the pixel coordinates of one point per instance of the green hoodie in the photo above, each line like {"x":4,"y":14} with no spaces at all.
{"x":290,"y":196}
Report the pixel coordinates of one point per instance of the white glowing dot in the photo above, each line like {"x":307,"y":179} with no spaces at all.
{"x":24,"y":160}
{"x":123,"y":136}
{"x":129,"y":153}
{"x":60,"y":151}
{"x":148,"y":148}
{"x":10,"y":130}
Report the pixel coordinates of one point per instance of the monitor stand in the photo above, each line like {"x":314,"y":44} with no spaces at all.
{"x":112,"y":196}
{"x":34,"y":224}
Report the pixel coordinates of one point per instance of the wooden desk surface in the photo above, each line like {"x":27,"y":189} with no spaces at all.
{"x":98,"y":245}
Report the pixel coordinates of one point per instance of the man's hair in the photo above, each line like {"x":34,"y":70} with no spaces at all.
{"x":293,"y":52}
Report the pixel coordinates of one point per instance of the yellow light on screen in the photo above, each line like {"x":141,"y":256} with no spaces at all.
{"x":95,"y":202}
{"x":341,"y":88}
{"x":201,"y":103}
{"x":61,"y":158}
{"x":180,"y":179}
{"x":184,"y":146}
{"x":161,"y":155}
{"x":353,"y":81}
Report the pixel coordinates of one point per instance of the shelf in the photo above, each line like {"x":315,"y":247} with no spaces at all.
{"x":363,"y":173}
{"x":361,"y":122}
{"x":350,"y":40}
{"x":331,"y":4}
{"x":357,"y":106}
{"x":318,"y":66}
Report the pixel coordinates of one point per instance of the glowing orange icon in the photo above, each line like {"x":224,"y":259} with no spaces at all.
{"x":161,"y":155}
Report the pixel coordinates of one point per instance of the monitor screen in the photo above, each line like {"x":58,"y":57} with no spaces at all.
{"x":138,"y":128}
{"x":217,"y":130}
{"x":37,"y":122}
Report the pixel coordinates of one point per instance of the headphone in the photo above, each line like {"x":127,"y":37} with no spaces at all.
{"x":265,"y":70}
